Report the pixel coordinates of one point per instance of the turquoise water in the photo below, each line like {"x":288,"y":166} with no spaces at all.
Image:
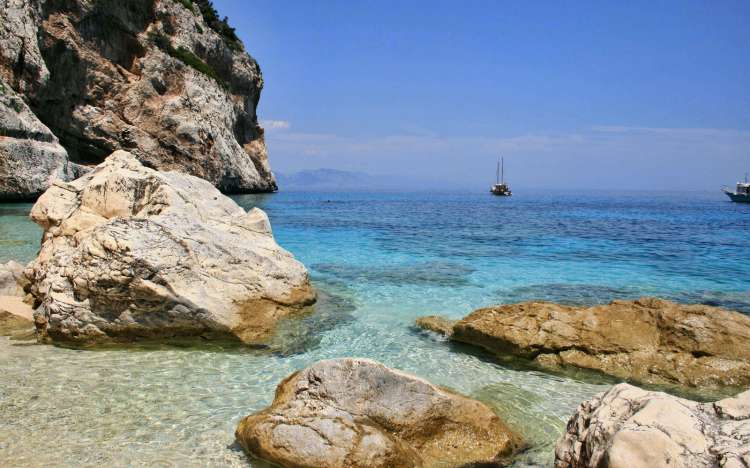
{"x":381,"y":260}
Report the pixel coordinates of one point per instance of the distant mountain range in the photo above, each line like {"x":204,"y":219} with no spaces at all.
{"x":335,"y":180}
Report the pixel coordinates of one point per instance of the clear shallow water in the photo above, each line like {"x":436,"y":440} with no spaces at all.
{"x":382,"y":260}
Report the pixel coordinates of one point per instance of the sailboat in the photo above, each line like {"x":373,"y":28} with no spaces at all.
{"x":500,"y":188}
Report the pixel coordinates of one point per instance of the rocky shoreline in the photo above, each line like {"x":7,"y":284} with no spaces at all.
{"x":128,"y":122}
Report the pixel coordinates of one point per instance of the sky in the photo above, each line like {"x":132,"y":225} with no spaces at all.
{"x":638,"y":95}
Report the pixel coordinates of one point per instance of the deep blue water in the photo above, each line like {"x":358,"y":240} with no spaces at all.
{"x":380,"y":261}
{"x":451,"y":252}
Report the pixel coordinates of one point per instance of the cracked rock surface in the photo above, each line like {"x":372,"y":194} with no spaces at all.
{"x":147,"y":76}
{"x":647,"y":340}
{"x":627,"y":427}
{"x":31,"y":157}
{"x":130,"y":253}
{"x":359,"y":413}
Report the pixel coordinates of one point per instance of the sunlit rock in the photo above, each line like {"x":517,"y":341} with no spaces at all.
{"x":627,"y":427}
{"x":648,"y":340}
{"x":359,"y":413}
{"x":131,"y":253}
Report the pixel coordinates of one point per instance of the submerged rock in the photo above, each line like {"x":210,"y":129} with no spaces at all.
{"x":437,"y":324}
{"x":359,"y":413}
{"x":16,"y":318}
{"x":31,"y":158}
{"x":627,"y":427}
{"x":647,"y":340}
{"x":131,"y":253}
{"x":163,"y":79}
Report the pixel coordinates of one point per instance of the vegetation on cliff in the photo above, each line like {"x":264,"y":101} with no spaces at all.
{"x":211,"y":17}
{"x":186,"y":57}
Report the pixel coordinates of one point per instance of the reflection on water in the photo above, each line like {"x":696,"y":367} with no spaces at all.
{"x":381,"y":260}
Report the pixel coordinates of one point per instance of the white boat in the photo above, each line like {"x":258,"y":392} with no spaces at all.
{"x":741,"y":193}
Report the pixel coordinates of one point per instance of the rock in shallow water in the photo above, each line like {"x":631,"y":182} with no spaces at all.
{"x":359,"y":413}
{"x":647,"y":340}
{"x":627,"y":427}
{"x":437,"y":324}
{"x":131,"y":253}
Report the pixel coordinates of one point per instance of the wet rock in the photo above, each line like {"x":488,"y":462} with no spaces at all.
{"x":131,"y":253}
{"x":648,"y":340}
{"x":154,"y":77}
{"x":633,"y":428}
{"x":437,"y":324}
{"x":359,"y":413}
{"x":16,"y":318}
{"x":31,"y":158}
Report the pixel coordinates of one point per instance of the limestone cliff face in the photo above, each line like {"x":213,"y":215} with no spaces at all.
{"x":163,"y":79}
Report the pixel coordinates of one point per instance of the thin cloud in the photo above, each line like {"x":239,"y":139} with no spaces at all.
{"x":275,"y":124}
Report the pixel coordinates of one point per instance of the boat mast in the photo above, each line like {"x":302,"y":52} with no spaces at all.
{"x":502,"y":165}
{"x":497,"y":173}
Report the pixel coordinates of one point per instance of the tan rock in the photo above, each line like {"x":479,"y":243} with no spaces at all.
{"x":437,"y":324}
{"x":627,"y":427}
{"x":131,"y":253}
{"x":16,"y":318}
{"x":359,"y":413}
{"x":648,"y":340}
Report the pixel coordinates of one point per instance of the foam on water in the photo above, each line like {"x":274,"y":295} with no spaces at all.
{"x":382,"y":260}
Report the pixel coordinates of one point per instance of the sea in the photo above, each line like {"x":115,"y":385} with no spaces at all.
{"x":379,"y":261}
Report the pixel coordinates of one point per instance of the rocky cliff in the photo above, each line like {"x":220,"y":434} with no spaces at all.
{"x":164,"y":79}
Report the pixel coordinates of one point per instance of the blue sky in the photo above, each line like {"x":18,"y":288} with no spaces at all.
{"x":636,"y":95}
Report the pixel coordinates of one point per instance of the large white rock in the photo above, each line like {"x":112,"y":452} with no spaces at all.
{"x":132,"y":253}
{"x":627,"y":427}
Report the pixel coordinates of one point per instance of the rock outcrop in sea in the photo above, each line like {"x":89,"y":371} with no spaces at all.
{"x":163,"y":79}
{"x":359,"y":413}
{"x":627,"y":427}
{"x":131,"y":253}
{"x":647,"y":340}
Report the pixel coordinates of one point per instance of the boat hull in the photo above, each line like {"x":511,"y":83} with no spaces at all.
{"x":738,"y":197}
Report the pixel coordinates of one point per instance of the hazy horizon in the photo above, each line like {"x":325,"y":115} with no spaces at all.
{"x":635,"y":96}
